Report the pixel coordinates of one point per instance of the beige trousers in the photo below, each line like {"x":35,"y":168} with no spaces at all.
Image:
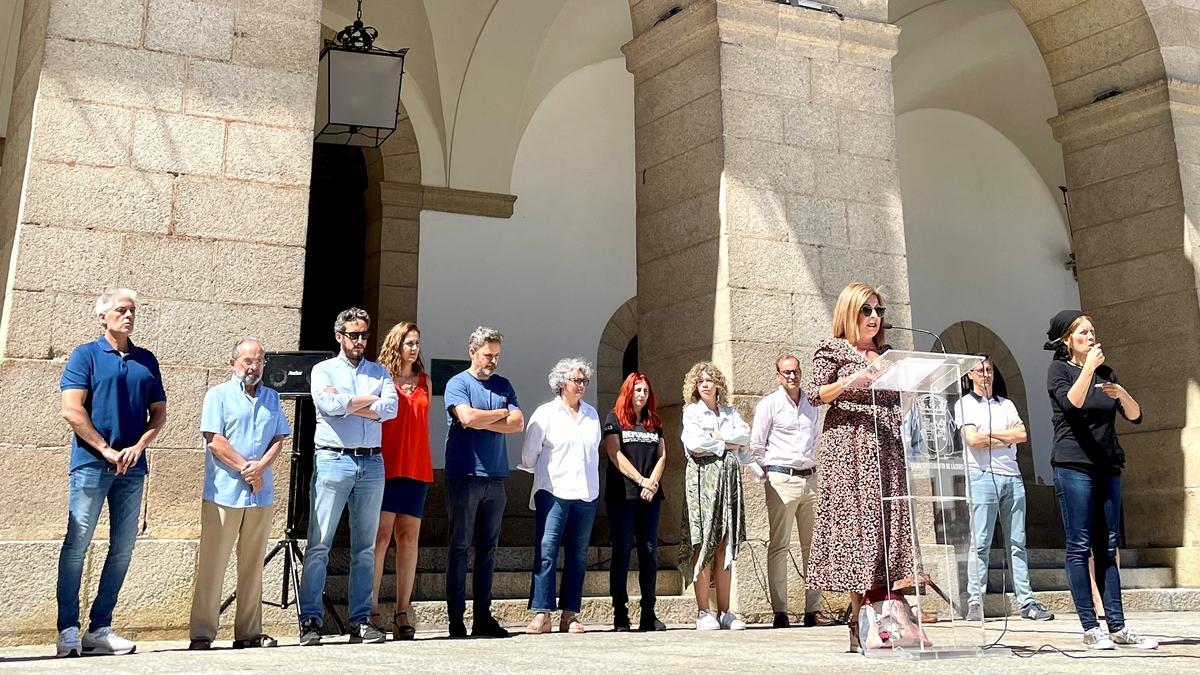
{"x":789,"y":499}
{"x":220,"y":527}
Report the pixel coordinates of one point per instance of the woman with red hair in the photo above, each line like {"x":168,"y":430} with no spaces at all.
{"x":636,"y":460}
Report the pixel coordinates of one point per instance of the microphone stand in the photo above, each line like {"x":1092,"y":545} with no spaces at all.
{"x":936,"y":340}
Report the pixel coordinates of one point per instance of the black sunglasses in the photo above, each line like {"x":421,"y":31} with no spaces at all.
{"x":868,"y":309}
{"x":355,"y":336}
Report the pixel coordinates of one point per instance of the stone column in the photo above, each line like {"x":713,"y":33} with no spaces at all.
{"x":766,"y":181}
{"x":1133,"y":166}
{"x":162,"y":145}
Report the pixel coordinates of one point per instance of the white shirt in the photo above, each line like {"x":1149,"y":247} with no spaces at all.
{"x":563,"y":453}
{"x":972,"y":410}
{"x":700,"y":424}
{"x":784,"y":433}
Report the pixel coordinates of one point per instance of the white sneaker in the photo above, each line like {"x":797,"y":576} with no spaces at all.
{"x":1127,"y":638}
{"x":706,"y":621}
{"x":104,"y":641}
{"x":68,"y":642}
{"x":730,"y":621}
{"x":1096,"y":638}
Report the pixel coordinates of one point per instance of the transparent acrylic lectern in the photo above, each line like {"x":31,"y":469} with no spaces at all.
{"x":935,"y":496}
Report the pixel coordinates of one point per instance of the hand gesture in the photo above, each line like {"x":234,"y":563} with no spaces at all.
{"x":647,"y":494}
{"x":1095,"y":357}
{"x":253,"y":473}
{"x":1112,"y":389}
{"x":112,"y":456}
{"x":127,"y":458}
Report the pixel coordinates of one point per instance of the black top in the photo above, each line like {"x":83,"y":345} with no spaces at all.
{"x":640,"y":447}
{"x":1085,"y":438}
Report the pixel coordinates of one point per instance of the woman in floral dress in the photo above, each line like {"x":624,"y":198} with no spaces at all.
{"x":859,"y":543}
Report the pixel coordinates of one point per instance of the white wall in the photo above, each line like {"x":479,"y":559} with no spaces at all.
{"x":550,"y":277}
{"x":985,"y":242}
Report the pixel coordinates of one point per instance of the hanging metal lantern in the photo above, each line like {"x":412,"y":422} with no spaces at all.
{"x":358,"y":88}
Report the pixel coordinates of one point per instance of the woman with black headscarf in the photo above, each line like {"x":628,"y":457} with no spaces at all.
{"x":1085,"y":398}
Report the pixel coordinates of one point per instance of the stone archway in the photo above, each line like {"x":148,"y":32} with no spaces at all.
{"x":393,"y":230}
{"x":619,"y":333}
{"x":969,"y":337}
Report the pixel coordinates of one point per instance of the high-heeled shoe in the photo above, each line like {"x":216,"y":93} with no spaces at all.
{"x":855,"y":645}
{"x":403,"y":630}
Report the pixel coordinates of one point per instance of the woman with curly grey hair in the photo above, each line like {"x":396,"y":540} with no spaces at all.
{"x":715,"y":520}
{"x":562,"y":451}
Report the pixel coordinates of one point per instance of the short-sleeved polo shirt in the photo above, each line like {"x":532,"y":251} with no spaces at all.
{"x":249,"y":424}
{"x":477,"y":452}
{"x":120,"y":389}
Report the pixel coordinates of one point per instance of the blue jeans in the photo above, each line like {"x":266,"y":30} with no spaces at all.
{"x":566,"y":523}
{"x":476,"y":509}
{"x":87,"y":489}
{"x":339,"y":479}
{"x":1091,"y":513}
{"x":996,"y":496}
{"x":627,"y":519}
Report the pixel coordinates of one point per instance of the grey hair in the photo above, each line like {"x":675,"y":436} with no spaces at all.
{"x":562,"y":370}
{"x":483,"y":335}
{"x":238,"y":345}
{"x":350,"y":316}
{"x":109,"y":298}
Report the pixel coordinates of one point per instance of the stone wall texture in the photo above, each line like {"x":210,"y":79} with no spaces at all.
{"x":164,"y":146}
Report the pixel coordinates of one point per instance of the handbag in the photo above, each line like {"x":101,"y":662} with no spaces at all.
{"x":888,"y":622}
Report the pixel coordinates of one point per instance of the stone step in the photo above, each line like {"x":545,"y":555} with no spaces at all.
{"x":1052,"y":557}
{"x":508,"y":558}
{"x":1047,"y":579}
{"x":681,"y":609}
{"x":505,"y":585}
{"x":1133,"y":600}
{"x":596,"y":612}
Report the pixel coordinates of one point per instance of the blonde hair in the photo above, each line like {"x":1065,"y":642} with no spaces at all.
{"x":1065,"y":338}
{"x":390,"y":353}
{"x":690,"y":395}
{"x":846,"y":312}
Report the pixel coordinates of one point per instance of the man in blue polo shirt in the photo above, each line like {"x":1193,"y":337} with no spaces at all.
{"x":243,"y":427}
{"x":114,"y":401}
{"x":353,"y":397}
{"x":481,"y":407}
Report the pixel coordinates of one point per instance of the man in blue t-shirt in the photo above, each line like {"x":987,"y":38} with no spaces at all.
{"x":114,"y":401}
{"x":481,"y":407}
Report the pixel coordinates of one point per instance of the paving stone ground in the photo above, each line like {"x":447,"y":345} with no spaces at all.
{"x":679,"y":650}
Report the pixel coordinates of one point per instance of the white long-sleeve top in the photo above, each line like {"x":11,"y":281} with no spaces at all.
{"x":700,"y":424}
{"x":563,"y":453}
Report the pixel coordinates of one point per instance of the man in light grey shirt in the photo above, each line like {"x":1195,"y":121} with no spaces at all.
{"x":783,"y":440}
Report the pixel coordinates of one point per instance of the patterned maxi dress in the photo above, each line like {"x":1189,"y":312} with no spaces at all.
{"x":712,"y":486}
{"x":852,"y":525}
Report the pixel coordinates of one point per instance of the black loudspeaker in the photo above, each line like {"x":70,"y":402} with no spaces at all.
{"x":288,"y":372}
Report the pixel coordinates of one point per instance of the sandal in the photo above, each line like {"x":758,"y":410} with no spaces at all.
{"x":539,"y":625}
{"x":570,"y":623}
{"x":855,"y":645}
{"x":403,"y":631}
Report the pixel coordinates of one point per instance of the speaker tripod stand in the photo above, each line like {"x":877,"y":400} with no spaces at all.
{"x":289,"y":545}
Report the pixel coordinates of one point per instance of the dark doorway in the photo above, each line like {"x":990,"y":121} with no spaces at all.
{"x":337,"y":239}
{"x":629,"y":360}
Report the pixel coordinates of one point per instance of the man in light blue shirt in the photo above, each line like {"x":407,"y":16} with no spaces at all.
{"x":243,"y":426}
{"x":353,"y":397}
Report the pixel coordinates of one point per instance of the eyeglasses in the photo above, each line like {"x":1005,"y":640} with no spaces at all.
{"x":581,"y":381}
{"x":790,"y":373}
{"x":982,"y":371}
{"x":357,"y":336}
{"x":868,"y":309}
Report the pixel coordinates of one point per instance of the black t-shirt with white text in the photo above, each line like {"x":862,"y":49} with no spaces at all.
{"x":640,"y":447}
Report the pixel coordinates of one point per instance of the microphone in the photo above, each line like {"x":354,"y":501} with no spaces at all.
{"x":936,"y":340}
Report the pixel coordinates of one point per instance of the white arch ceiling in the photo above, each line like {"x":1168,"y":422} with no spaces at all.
{"x":478,"y":69}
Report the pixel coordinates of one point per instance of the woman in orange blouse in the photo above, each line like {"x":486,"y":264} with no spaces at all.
{"x":408,"y":469}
